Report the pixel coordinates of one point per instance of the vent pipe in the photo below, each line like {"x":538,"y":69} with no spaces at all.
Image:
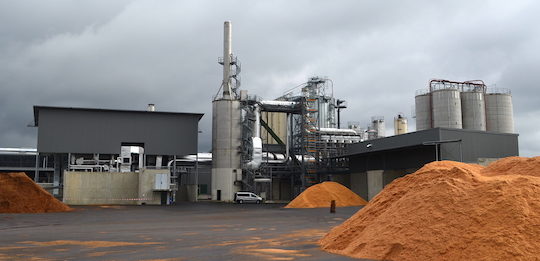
{"x":151,"y":107}
{"x":227,"y":56}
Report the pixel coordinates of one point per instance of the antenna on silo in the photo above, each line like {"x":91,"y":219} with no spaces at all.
{"x":231,"y":66}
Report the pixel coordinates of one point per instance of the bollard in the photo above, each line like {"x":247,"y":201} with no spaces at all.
{"x":333,"y":206}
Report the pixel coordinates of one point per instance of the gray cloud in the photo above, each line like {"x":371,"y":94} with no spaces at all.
{"x":125,"y":54}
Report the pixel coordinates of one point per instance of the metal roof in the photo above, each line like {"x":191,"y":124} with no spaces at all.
{"x":37,"y":108}
{"x":411,"y":139}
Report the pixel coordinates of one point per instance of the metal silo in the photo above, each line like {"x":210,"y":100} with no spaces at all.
{"x":499,"y":112}
{"x":378,"y":125}
{"x":446,"y":108}
{"x":423,"y":111}
{"x":226,"y":132}
{"x":400,"y":125}
{"x":371,"y":133}
{"x":473,"y":110}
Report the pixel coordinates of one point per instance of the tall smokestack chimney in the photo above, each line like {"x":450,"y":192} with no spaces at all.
{"x":227,"y":56}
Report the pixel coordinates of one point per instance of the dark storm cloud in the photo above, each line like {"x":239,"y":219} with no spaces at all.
{"x":125,"y":54}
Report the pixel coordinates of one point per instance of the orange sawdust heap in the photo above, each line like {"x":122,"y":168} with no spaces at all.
{"x":320,"y":195}
{"x":19,"y":194}
{"x":449,"y":211}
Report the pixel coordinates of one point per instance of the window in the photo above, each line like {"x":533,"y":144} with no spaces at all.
{"x":203,"y":188}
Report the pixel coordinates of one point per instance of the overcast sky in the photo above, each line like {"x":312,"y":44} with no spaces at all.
{"x":125,"y":54}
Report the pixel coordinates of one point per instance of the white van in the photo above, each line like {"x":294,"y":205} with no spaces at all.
{"x":247,"y":197}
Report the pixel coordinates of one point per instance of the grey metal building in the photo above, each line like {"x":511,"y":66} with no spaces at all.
{"x":375,"y":163}
{"x":77,"y":136}
{"x":86,"y":130}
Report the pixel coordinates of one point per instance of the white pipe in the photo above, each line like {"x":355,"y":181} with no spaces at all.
{"x":26,"y":151}
{"x":227,"y":54}
{"x":171,"y":161}
{"x":141,"y":158}
{"x":256,"y":156}
{"x":338,"y":131}
{"x":280,"y":103}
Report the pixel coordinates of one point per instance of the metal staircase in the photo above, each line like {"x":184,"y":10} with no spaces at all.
{"x":311,"y":139}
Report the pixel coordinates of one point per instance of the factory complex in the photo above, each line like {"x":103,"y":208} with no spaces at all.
{"x":288,"y":149}
{"x":275,"y":148}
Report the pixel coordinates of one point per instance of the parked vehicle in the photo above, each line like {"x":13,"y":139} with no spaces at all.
{"x":247,"y":197}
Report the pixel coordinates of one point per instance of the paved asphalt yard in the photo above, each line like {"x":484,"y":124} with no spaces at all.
{"x":188,"y":231}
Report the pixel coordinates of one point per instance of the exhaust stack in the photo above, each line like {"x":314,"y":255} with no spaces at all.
{"x":227,"y":57}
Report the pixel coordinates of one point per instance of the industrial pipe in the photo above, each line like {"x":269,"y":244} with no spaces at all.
{"x":338,"y":131}
{"x":256,"y":154}
{"x":279,"y":103}
{"x":227,"y":55}
{"x":257,"y":126}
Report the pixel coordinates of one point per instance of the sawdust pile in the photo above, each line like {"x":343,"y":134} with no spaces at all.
{"x":19,"y":194}
{"x":449,"y":211}
{"x":320,"y":195}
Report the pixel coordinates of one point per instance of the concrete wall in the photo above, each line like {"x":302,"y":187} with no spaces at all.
{"x":187,"y":193}
{"x":359,"y":184}
{"x":368,"y":184}
{"x":281,"y":189}
{"x":96,"y":188}
{"x":223,"y":179}
{"x":343,"y":179}
{"x":391,"y":175}
{"x":147,"y":179}
{"x":119,"y":188}
{"x":374,"y":183}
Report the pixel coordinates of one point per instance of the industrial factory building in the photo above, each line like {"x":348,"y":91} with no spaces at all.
{"x":304,"y":145}
{"x":104,"y":156}
{"x":459,"y":121}
{"x":375,"y":163}
{"x":276,"y":148}
{"x":40,"y":168}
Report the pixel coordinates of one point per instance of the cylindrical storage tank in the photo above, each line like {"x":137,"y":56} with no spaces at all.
{"x":423,"y":111}
{"x":473,"y":110}
{"x":378,"y":125}
{"x":499,"y":112}
{"x":371,"y":133}
{"x":226,"y":134}
{"x":400,"y":125}
{"x":326,"y":112}
{"x":323,"y":114}
{"x":446,"y":104}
